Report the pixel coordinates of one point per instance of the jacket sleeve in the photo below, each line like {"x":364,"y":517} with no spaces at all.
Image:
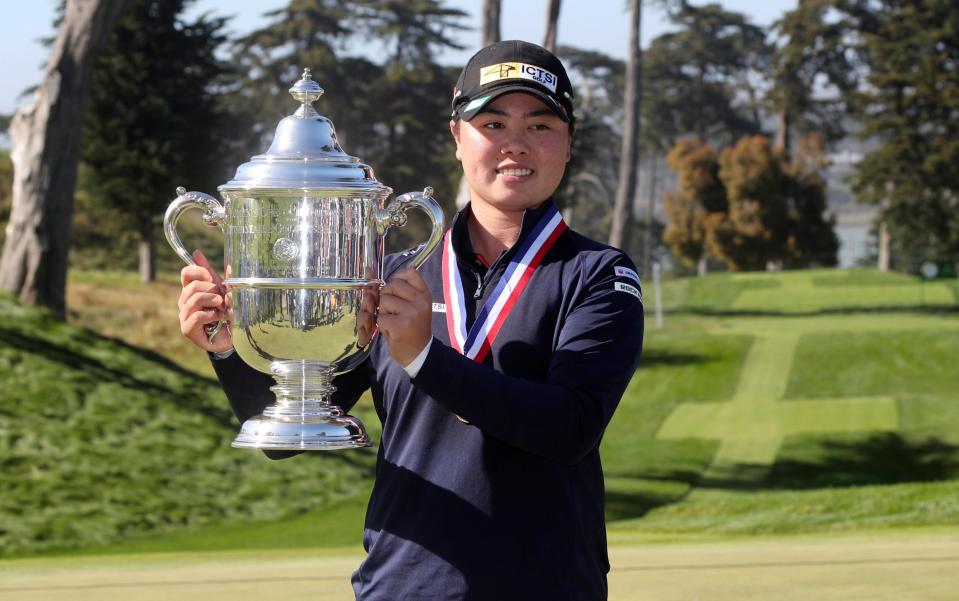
{"x":563,"y":417}
{"x":248,"y":390}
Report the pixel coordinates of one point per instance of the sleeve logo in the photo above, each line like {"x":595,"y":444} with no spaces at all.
{"x":626,"y":272}
{"x":519,"y":71}
{"x":439,"y":308}
{"x":621,"y":287}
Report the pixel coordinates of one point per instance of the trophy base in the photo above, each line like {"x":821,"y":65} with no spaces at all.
{"x":332,"y":433}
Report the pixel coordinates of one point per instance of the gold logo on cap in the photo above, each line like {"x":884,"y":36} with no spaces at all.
{"x":519,"y":71}
{"x":500,"y":71}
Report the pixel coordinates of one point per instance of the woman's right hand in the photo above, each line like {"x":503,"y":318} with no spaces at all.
{"x":204,"y":300}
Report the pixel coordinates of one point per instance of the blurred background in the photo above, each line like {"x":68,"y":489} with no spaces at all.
{"x":781,"y":172}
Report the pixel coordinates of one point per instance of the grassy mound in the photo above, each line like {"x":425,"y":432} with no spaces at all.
{"x":101,"y":441}
{"x":791,"y":402}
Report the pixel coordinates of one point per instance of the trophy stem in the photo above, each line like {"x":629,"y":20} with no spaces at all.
{"x":303,"y":418}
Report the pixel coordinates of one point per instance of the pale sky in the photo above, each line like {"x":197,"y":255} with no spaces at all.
{"x":591,"y":24}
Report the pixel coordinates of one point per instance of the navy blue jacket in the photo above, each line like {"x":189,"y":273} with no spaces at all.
{"x":510,"y":505}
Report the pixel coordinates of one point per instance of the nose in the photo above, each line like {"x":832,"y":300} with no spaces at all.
{"x":515,"y":143}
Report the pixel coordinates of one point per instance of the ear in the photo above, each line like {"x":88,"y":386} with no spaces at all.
{"x":455,"y":130}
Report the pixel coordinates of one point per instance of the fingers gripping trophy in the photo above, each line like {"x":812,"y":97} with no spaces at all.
{"x":304,"y":225}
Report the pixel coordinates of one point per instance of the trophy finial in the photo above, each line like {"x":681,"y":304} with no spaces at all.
{"x":306,"y":91}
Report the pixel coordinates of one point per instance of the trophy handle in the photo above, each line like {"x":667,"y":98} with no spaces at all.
{"x":213,"y":215}
{"x":395,"y":215}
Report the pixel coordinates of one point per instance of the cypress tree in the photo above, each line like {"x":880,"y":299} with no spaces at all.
{"x":152,"y":120}
{"x":910,"y":107}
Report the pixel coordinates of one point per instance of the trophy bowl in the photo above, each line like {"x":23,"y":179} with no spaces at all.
{"x":304,"y":225}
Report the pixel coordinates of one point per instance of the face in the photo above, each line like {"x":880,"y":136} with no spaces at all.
{"x":513,"y":153}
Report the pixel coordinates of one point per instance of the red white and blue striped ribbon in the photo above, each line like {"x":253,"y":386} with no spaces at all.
{"x":477,"y":342}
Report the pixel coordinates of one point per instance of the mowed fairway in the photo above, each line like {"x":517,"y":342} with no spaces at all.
{"x":766,"y":384}
{"x":916,"y":565}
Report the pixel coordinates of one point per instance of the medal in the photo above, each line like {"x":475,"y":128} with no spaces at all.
{"x":477,"y":342}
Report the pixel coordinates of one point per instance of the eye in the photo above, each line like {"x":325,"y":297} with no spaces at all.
{"x":492,"y":125}
{"x":540,"y":127}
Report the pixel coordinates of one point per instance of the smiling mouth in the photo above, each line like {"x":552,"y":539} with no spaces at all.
{"x":515,"y":172}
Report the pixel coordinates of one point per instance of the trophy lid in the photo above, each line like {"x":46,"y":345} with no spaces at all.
{"x":305,"y":154}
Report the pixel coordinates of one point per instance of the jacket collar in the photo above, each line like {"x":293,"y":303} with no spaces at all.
{"x":461,"y":238}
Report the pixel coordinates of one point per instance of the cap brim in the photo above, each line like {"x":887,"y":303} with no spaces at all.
{"x":469,"y":109}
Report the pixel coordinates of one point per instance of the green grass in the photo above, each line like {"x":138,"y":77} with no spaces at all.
{"x":861,"y":277}
{"x":753,"y":512}
{"x":806,"y":292}
{"x":716,"y":292}
{"x":338,"y":525}
{"x":885,"y":381}
{"x":808,"y":299}
{"x":885,"y":390}
{"x":837,"y":364}
{"x":102,"y":442}
{"x":917,"y":564}
{"x":929,"y":413}
{"x":642,"y":471}
{"x":684,"y":366}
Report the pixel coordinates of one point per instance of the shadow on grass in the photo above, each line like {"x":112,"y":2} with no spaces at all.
{"x":651,"y":490}
{"x":191,"y":401}
{"x":621,"y":505}
{"x":628,"y":505}
{"x":72,"y":359}
{"x":886,"y":458}
{"x":741,"y":477}
{"x":653,"y":357}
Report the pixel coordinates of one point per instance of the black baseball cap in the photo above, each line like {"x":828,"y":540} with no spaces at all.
{"x":513,"y":66}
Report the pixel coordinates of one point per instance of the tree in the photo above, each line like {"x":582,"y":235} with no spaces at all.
{"x":909,"y":105}
{"x":413,"y":95}
{"x":491,"y":17}
{"x":700,"y":193}
{"x":150,"y":122}
{"x":552,"y":25}
{"x":812,"y":237}
{"x":45,"y":140}
{"x":305,"y":33}
{"x":629,"y":157}
{"x":586,"y":194}
{"x":776,"y":207}
{"x":812,"y":54}
{"x":699,"y":80}
{"x":392,"y":114}
{"x":6,"y":187}
{"x":751,"y":233}
{"x":750,"y":206}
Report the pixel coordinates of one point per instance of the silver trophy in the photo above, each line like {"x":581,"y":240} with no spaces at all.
{"x":304,"y":225}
